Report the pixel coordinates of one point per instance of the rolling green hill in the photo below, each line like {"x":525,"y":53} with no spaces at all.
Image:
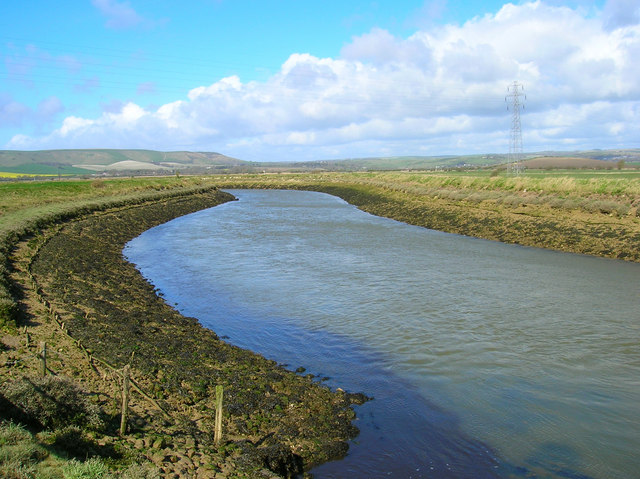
{"x":114,"y":162}
{"x":597,"y":159}
{"x":92,"y":161}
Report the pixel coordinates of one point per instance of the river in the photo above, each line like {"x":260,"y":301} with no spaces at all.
{"x":484,"y":359}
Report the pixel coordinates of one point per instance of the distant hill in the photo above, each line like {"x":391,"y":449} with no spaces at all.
{"x":399,"y":162}
{"x":123,"y":162}
{"x":604,"y":159}
{"x":112,"y":161}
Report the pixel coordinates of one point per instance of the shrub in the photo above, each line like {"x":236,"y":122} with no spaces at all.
{"x":12,"y":433}
{"x":607,"y":208}
{"x":8,"y":310}
{"x":94,"y":468}
{"x":512,"y":200}
{"x":19,"y":454}
{"x":557,"y":202}
{"x":51,"y":402}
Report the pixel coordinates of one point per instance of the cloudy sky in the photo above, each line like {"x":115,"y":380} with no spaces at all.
{"x":268,"y":80}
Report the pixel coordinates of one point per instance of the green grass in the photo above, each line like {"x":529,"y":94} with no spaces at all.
{"x":24,"y":195}
{"x":22,"y":201}
{"x":24,"y":455}
{"x":546,"y":173}
{"x":40,"y":169}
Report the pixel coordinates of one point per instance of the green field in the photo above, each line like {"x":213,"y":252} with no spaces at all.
{"x":621,"y":186}
{"x":43,"y":170}
{"x":548,"y":173}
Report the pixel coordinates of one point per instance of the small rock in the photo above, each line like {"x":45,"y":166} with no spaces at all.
{"x":358,"y":398}
{"x":159,"y":443}
{"x":185,"y":463}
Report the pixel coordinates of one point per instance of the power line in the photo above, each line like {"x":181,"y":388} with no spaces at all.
{"x":179,"y":74}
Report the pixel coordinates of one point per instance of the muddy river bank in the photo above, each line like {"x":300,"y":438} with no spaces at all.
{"x":276,"y":421}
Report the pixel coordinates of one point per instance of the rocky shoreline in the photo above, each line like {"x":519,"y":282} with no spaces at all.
{"x":276,"y":423}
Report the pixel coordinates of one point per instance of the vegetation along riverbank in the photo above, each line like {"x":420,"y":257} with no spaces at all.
{"x":96,"y":314}
{"x":588,"y":212}
{"x":63,"y":282}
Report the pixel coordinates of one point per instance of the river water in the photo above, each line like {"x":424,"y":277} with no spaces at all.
{"x":484,"y":359}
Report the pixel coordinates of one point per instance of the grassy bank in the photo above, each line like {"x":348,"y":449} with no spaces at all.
{"x":62,"y":276}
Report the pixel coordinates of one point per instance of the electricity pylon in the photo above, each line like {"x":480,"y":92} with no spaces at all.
{"x":514,"y":165}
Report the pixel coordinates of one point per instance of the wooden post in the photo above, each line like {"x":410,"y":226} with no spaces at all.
{"x":125,"y":399}
{"x":217,"y":437}
{"x":43,"y":358}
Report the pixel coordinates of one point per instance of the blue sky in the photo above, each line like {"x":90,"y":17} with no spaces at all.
{"x":311,"y":80}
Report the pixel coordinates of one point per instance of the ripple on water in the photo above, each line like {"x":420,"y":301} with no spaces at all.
{"x":516,"y":360}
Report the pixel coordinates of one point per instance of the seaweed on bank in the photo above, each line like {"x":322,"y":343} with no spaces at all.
{"x":11,"y":234}
{"x":281,"y":421}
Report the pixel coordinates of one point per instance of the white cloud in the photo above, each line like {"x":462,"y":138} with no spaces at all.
{"x":438,"y":91}
{"x":71,"y":125}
